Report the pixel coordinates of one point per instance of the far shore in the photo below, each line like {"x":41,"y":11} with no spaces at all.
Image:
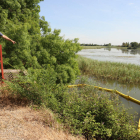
{"x":99,"y":47}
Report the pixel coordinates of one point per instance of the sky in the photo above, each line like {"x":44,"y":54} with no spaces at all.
{"x":94,"y":21}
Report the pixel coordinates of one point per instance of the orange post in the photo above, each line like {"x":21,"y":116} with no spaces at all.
{"x":1,"y":61}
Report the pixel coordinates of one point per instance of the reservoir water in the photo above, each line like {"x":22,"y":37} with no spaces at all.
{"x":123,"y":56}
{"x":113,"y":55}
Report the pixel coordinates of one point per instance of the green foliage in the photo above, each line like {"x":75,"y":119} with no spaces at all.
{"x":93,"y":47}
{"x":95,"y":116}
{"x":36,"y":46}
{"x":135,"y":45}
{"x":125,"y":44}
{"x":125,"y":73}
{"x":35,"y":85}
{"x":20,"y":21}
{"x":85,"y":110}
{"x":85,"y":45}
{"x":132,"y":45}
{"x":109,"y":44}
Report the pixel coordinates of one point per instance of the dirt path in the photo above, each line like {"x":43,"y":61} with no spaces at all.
{"x":20,"y":122}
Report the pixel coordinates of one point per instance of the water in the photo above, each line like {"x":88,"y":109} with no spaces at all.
{"x":127,"y":89}
{"x":113,"y":55}
{"x":123,"y":56}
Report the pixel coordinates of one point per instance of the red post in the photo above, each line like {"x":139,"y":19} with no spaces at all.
{"x":1,"y":61}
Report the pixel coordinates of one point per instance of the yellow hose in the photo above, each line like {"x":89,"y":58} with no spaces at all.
{"x":110,"y":90}
{"x":139,"y":126}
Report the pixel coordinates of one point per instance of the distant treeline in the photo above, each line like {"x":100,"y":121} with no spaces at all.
{"x":95,"y":44}
{"x":132,"y":45}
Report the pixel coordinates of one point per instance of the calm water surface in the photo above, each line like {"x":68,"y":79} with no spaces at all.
{"x":123,"y":56}
{"x":128,"y":89}
{"x":113,"y":55}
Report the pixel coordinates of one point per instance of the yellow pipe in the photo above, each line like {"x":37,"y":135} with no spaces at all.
{"x":110,"y":90}
{"x":139,"y":126}
{"x":79,"y":85}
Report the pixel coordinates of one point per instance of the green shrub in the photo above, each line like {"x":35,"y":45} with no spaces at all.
{"x":93,"y":114}
{"x":86,"y":110}
{"x":35,"y":85}
{"x":36,"y":45}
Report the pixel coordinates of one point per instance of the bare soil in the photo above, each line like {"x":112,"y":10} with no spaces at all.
{"x":20,"y":121}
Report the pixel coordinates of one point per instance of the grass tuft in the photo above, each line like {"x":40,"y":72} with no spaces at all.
{"x":124,"y":73}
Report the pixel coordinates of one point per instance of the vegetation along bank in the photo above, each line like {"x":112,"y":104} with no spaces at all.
{"x":131,"y":45}
{"x":125,"y":73}
{"x":83,"y":111}
{"x":50,"y":61}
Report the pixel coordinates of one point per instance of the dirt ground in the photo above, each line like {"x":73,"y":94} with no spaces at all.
{"x":19,"y":121}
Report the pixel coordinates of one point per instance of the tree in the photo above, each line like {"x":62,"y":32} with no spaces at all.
{"x":109,"y":44}
{"x":37,"y":46}
{"x":125,"y":44}
{"x":128,"y":44}
{"x":134,"y":45}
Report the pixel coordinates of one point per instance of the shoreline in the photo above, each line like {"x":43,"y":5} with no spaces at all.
{"x":121,"y":72}
{"x":99,"y":47}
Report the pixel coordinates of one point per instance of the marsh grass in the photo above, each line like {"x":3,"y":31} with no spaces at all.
{"x":119,"y":47}
{"x":92,"y":47}
{"x":124,"y":73}
{"x":98,"y":47}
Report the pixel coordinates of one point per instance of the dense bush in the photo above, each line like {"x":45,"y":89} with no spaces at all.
{"x":91,"y":113}
{"x":36,"y":45}
{"x":86,"y":110}
{"x":35,"y":86}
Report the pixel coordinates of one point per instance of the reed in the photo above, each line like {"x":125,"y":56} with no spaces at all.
{"x":93,"y":47}
{"x":125,"y":73}
{"x":99,"y":47}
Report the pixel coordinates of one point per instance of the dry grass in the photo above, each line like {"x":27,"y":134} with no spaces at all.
{"x":20,"y":121}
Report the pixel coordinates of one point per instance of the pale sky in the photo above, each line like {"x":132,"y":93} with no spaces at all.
{"x":94,"y":21}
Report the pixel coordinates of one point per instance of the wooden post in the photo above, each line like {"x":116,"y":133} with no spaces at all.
{"x":1,"y":61}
